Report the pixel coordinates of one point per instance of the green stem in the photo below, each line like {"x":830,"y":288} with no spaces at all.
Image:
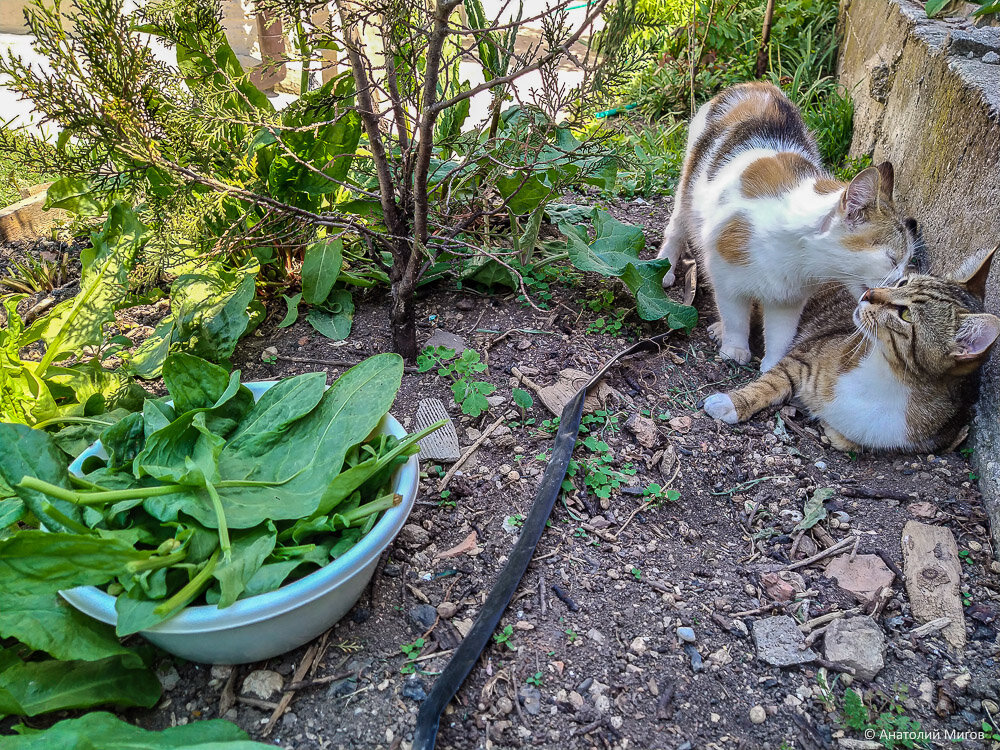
{"x":156,"y":561}
{"x":220,"y":515}
{"x":95,"y":498}
{"x":353,"y":517}
{"x":57,"y":515}
{"x":190,"y":591}
{"x":69,"y":420}
{"x":303,"y":44}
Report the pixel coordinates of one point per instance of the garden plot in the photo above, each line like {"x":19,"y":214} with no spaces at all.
{"x":647,"y":618}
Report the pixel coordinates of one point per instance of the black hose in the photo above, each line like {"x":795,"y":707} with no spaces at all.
{"x":468,"y":651}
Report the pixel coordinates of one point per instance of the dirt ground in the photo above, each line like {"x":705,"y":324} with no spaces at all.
{"x":599,"y":663}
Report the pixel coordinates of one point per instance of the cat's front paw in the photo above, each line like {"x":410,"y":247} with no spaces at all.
{"x":715,"y":331}
{"x":669,"y":278}
{"x":720,"y":406}
{"x":738,"y":354}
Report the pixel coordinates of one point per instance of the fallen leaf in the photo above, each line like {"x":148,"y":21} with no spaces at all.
{"x":681,"y":424}
{"x":466,"y":546}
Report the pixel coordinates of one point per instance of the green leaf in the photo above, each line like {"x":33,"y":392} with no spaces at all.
{"x":35,"y":562}
{"x":103,"y":286}
{"x":76,"y":195}
{"x":38,"y":687}
{"x":570,"y":214}
{"x":249,"y":551}
{"x":320,"y":269}
{"x":11,"y":511}
{"x":268,"y":420}
{"x":45,"y":622}
{"x":104,"y":731}
{"x":208,"y":316}
{"x":523,"y":195}
{"x":25,"y":452}
{"x":335,"y":319}
{"x":933,"y":7}
{"x":293,"y":310}
{"x":614,"y":252}
{"x":813,"y":512}
{"x":522,"y":398}
{"x":194,"y":383}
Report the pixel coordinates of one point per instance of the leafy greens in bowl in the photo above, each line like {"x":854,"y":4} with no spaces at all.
{"x":219,"y":497}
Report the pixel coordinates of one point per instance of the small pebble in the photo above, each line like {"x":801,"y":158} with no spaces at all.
{"x":686,"y":634}
{"x":758,"y":715}
{"x":991,"y":58}
{"x":821,"y":465}
{"x":447,"y":610}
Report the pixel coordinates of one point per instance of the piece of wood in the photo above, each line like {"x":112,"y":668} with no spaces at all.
{"x":27,"y":220}
{"x":932,"y":572}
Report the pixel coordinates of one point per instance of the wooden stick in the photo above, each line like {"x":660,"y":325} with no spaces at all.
{"x":824,"y":619}
{"x":300,"y":672}
{"x":471,"y":449}
{"x":839,"y":546}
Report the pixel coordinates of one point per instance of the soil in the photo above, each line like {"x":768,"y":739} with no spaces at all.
{"x":600,"y":664}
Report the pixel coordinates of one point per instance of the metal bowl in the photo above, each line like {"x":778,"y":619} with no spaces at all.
{"x":266,"y":625}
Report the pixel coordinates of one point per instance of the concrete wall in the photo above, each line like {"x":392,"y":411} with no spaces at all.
{"x":927,"y":98}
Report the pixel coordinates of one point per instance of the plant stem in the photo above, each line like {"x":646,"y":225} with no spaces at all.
{"x":95,"y":498}
{"x":220,"y":515}
{"x":57,"y":515}
{"x":156,"y":561}
{"x":353,"y":517}
{"x":190,"y":591}
{"x":303,"y":42}
{"x":69,"y":420}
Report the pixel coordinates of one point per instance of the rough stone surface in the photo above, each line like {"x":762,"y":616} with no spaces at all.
{"x":933,"y":576}
{"x":924,"y":103}
{"x":858,"y":643}
{"x":263,"y":684}
{"x":778,"y":640}
{"x":863,"y":577}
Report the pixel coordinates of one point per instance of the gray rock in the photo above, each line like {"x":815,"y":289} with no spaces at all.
{"x":168,"y":677}
{"x":412,"y":535}
{"x":697,"y":663}
{"x":778,"y":640}
{"x":858,"y":643}
{"x":686,"y":634}
{"x":413,"y":688}
{"x":422,"y":616}
{"x":991,"y":58}
{"x":532,"y":698}
{"x":263,"y":684}
{"x":446,"y":339}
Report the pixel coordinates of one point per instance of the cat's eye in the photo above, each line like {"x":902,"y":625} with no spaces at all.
{"x":904,"y":313}
{"x":901,"y":283}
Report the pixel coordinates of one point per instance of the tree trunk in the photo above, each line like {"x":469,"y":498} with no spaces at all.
{"x":765,"y":39}
{"x":403,"y":320}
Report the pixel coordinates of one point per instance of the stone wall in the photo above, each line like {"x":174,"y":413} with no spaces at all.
{"x":927,"y":98}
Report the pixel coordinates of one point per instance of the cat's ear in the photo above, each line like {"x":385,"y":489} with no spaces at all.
{"x":975,"y":280}
{"x":860,"y":194}
{"x":975,"y":337}
{"x":886,"y":178}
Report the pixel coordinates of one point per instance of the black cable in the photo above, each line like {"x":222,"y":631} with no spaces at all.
{"x":468,"y":651}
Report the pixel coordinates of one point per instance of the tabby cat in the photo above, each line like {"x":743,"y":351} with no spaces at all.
{"x":769,"y":223}
{"x":900,"y":372}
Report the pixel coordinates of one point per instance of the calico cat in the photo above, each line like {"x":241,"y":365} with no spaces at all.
{"x":898,"y":370}
{"x":769,"y":223}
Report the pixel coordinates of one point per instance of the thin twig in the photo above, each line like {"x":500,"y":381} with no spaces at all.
{"x":839,"y":546}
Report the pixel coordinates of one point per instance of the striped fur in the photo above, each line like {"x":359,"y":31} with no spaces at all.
{"x":899,"y":370}
{"x":770,"y":224}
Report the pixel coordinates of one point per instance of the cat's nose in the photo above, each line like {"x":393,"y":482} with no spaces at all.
{"x":867,"y":296}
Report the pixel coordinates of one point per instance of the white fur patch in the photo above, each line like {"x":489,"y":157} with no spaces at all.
{"x":869,"y":405}
{"x":720,"y":406}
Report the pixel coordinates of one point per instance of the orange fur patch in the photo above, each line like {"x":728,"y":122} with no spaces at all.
{"x":734,"y":240}
{"x":826,"y":186}
{"x":773,"y":176}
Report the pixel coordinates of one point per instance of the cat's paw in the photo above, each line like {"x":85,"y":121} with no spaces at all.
{"x":838,"y":441}
{"x":715,"y":331}
{"x":720,"y":406}
{"x":737,"y":354}
{"x":669,"y":278}
{"x":766,"y":364}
